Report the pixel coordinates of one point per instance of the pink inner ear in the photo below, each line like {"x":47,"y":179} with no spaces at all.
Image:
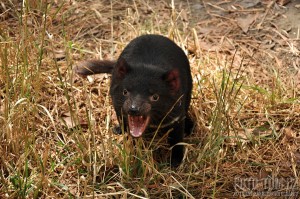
{"x":173,"y":80}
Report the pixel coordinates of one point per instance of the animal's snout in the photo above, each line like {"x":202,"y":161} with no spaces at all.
{"x":134,"y":110}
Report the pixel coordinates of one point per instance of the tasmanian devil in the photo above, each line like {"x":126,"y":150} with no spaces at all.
{"x":150,"y":87}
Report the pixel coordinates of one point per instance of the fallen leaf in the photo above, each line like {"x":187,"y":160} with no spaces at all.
{"x":263,"y":131}
{"x":241,"y":136}
{"x":283,"y":2}
{"x":249,"y":3}
{"x":297,"y":156}
{"x":245,"y":23}
{"x":208,"y":46}
{"x":66,"y":120}
{"x":290,"y":134}
{"x":205,"y":30}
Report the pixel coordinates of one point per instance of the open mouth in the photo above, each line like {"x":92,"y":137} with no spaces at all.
{"x":137,"y":124}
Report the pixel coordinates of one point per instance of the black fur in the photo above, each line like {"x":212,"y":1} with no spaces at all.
{"x":151,"y":86}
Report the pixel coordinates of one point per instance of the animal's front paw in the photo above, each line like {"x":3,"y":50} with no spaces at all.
{"x":189,"y":125}
{"x":177,"y":155}
{"x":175,"y":162}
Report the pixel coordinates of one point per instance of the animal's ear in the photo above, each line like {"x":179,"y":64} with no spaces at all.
{"x":173,"y":80}
{"x":121,"y":68}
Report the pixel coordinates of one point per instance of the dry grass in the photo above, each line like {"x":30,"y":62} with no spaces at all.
{"x":56,"y":140}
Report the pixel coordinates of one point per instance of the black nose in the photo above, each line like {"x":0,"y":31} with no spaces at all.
{"x":134,"y":110}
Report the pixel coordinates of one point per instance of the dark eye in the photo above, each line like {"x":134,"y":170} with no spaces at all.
{"x":125,"y":92}
{"x":154,"y":97}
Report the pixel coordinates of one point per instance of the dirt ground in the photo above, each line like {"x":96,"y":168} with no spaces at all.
{"x":270,"y":37}
{"x":288,"y":20}
{"x":276,"y":26}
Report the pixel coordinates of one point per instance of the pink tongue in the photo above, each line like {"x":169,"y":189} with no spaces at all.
{"x":137,"y":125}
